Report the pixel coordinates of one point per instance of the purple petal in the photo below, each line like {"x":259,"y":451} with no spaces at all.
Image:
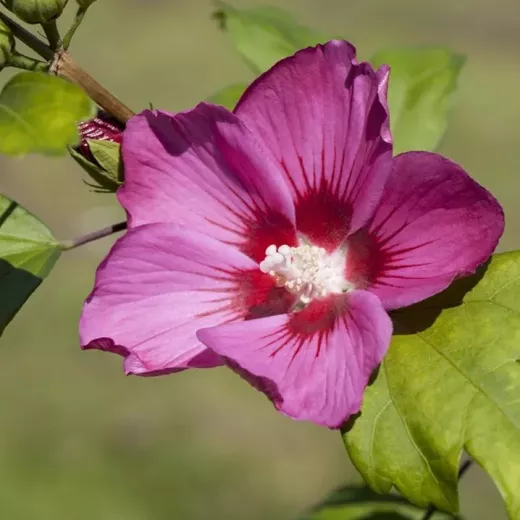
{"x":154,"y":290}
{"x":434,"y":223}
{"x":203,"y":170}
{"x":314,"y":365}
{"x":323,"y":116}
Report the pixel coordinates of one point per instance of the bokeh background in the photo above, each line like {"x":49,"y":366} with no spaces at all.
{"x":78,"y":440}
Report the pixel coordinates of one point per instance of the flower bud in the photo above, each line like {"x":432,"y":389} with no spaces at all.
{"x":36,"y":11}
{"x":101,"y":128}
{"x":6,"y":44}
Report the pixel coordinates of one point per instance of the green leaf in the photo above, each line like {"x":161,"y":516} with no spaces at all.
{"x":422,"y":80}
{"x":264,"y":35}
{"x":451,"y":381}
{"x":360,"y":503}
{"x":39,"y":113}
{"x":103,"y":183}
{"x":28,"y":251}
{"x":228,"y":96}
{"x":421,"y":90}
{"x":108,"y":155}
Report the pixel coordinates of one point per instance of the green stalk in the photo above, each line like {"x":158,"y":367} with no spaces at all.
{"x":21,"y":61}
{"x":32,"y":41}
{"x":74,"y":27}
{"x":53,"y":35}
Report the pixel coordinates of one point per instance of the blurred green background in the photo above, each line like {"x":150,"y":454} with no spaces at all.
{"x":78,"y":440}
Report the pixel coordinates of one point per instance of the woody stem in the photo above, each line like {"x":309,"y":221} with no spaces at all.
{"x":93,"y":236}
{"x":63,"y":65}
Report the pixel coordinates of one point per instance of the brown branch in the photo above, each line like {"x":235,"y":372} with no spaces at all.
{"x":64,"y":66}
{"x":95,"y":235}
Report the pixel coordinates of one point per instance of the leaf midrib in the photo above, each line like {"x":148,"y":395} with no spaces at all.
{"x":410,"y":436}
{"x":458,"y":369}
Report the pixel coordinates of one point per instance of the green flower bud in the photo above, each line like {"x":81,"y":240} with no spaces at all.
{"x":6,"y":44}
{"x":36,"y":11}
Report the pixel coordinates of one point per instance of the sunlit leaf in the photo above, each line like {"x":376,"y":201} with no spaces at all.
{"x":422,"y":86}
{"x":451,"y":381}
{"x":264,"y":35}
{"x":28,"y":251}
{"x":360,"y":503}
{"x":39,"y":113}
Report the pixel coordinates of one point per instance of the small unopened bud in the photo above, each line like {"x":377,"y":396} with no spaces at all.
{"x":101,"y":128}
{"x":6,"y":44}
{"x":36,"y":11}
{"x":103,"y":164}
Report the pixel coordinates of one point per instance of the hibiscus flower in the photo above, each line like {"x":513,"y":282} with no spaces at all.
{"x":275,"y":239}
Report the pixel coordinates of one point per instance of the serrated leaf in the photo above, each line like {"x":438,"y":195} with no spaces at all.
{"x":451,"y":381}
{"x":422,"y":84}
{"x":228,"y":96}
{"x":360,"y":503}
{"x":108,"y":155}
{"x":264,"y":35}
{"x":39,"y":113}
{"x":28,"y":251}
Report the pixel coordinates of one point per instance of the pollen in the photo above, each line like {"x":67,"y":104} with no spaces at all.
{"x":307,"y":271}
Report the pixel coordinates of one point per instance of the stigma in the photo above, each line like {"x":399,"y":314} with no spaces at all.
{"x":307,"y":271}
